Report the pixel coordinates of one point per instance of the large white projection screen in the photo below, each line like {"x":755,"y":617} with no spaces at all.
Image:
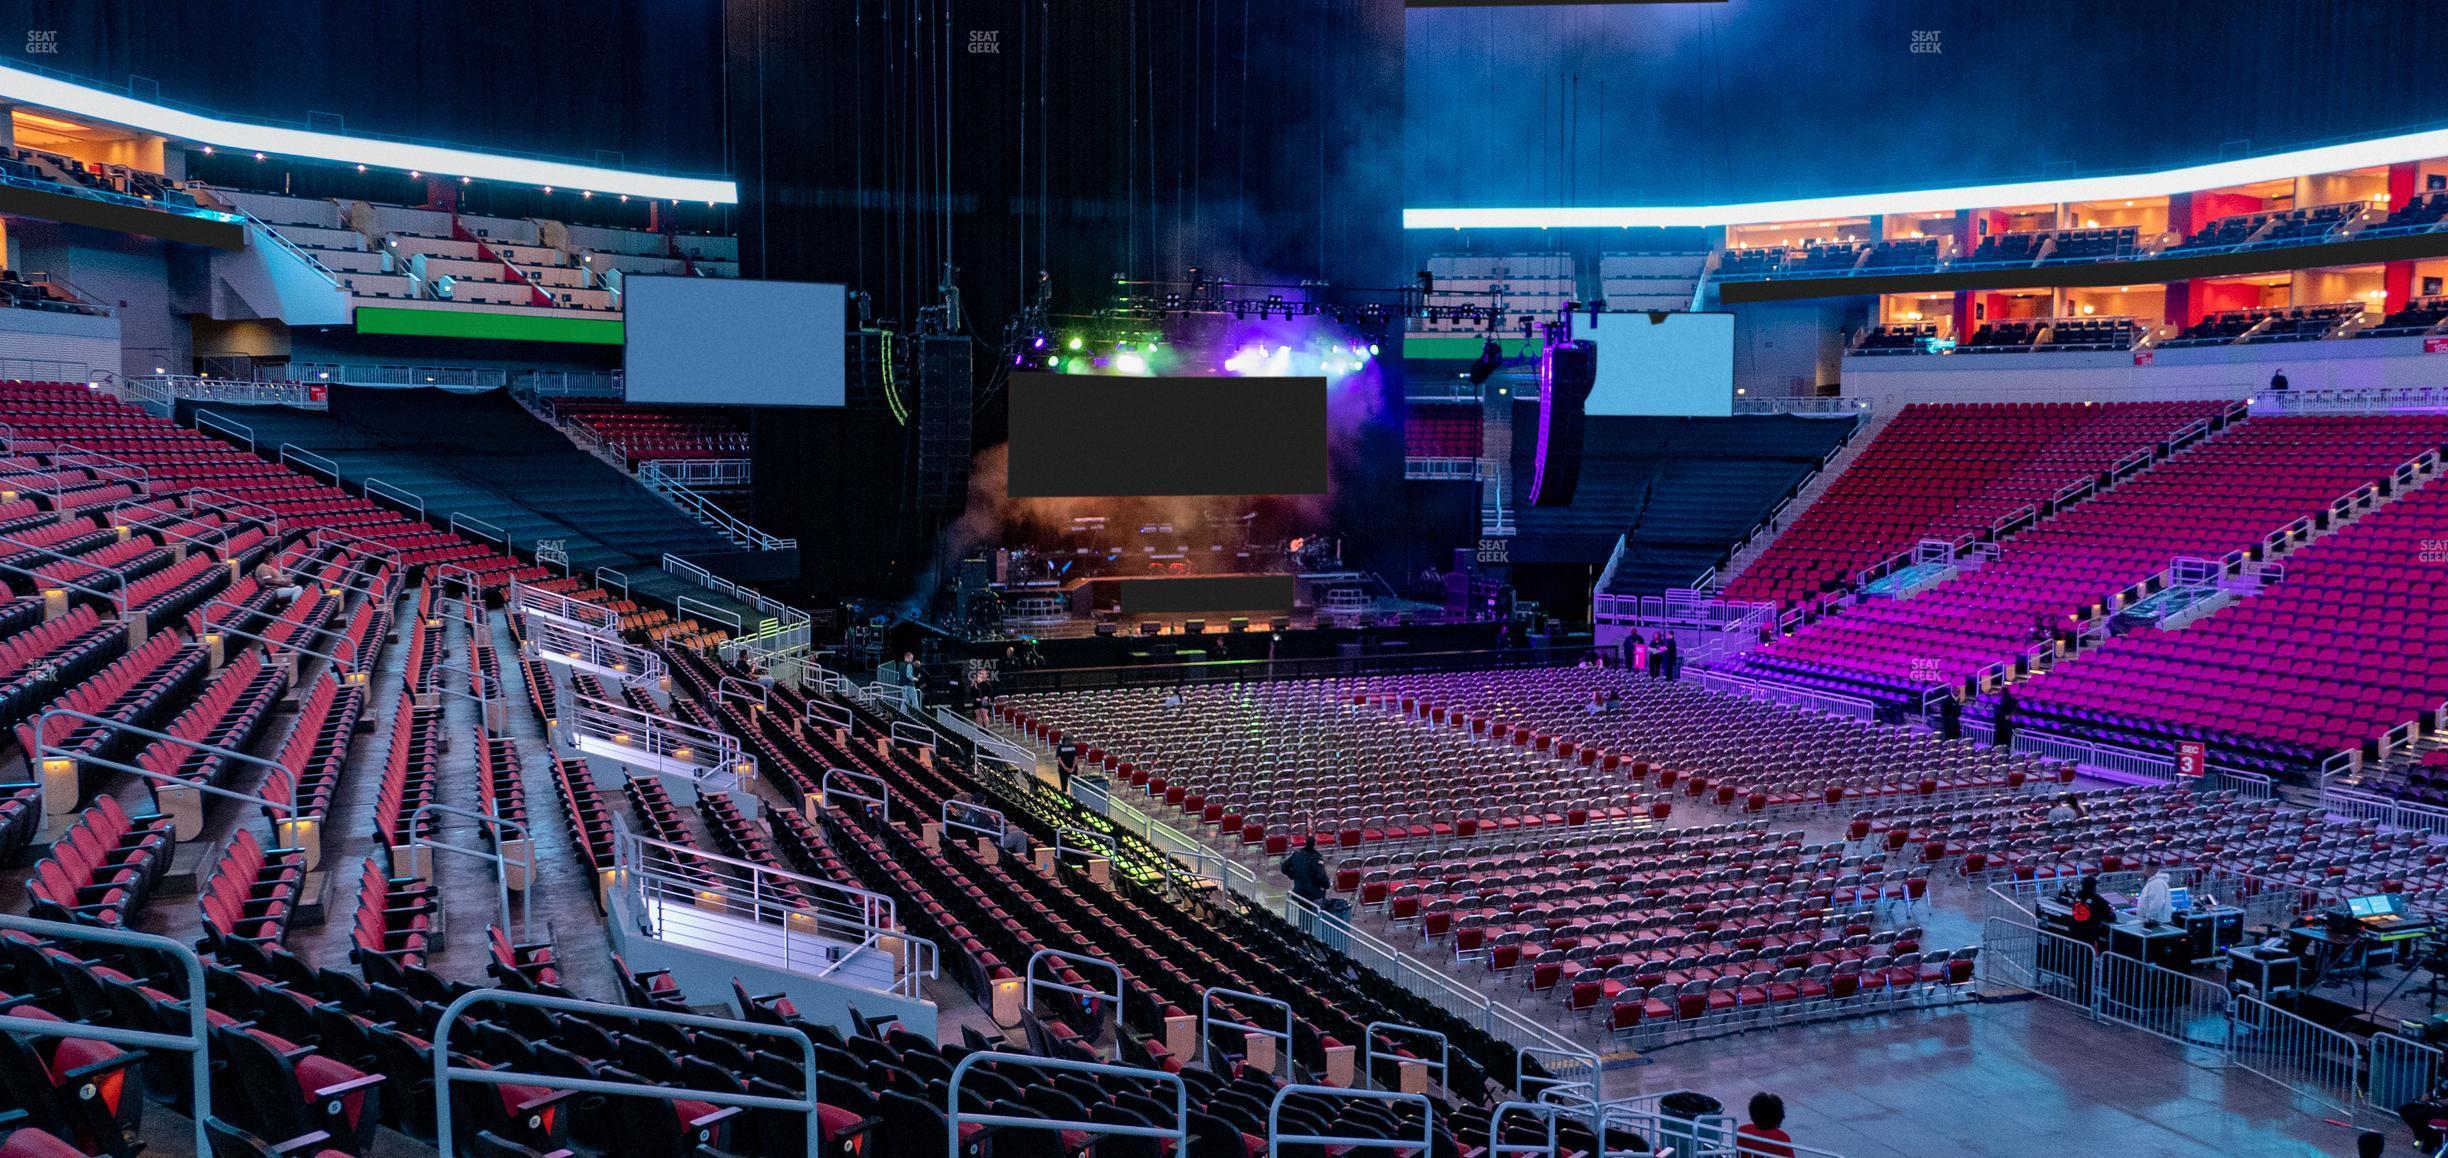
{"x":708,"y":341}
{"x":1677,"y":364}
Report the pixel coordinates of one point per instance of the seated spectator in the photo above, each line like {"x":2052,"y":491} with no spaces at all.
{"x":1764,"y":1135}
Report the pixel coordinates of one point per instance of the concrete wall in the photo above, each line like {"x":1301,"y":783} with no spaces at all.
{"x":125,"y":271}
{"x":2202,"y":372}
{"x":1792,"y":348}
{"x":65,"y":347}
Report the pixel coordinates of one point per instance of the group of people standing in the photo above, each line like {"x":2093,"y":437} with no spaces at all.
{"x":1659,"y":657}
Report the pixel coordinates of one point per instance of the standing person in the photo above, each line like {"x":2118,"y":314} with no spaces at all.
{"x":1764,"y":1135}
{"x":1950,"y":718}
{"x":2091,"y":914}
{"x":2278,"y":382}
{"x":2156,"y":905}
{"x":1640,"y":655}
{"x":1307,"y":872}
{"x":2002,"y":734}
{"x":1673,"y":667}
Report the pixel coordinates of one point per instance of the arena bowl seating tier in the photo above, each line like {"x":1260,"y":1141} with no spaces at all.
{"x":2308,"y":655}
{"x":230,"y":606}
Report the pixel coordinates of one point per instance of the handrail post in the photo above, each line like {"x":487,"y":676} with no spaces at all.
{"x":196,"y":1042}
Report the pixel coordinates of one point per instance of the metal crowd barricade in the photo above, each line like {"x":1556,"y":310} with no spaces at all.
{"x":445,"y":1073}
{"x":2313,"y":1060}
{"x":2019,"y":956}
{"x":957,"y":1116}
{"x":2187,"y":1010}
{"x":2402,"y":1071}
{"x":418,"y":838}
{"x":1572,"y":1073}
{"x":1207,"y":1024}
{"x":1276,"y":1139}
{"x":195,"y":1043}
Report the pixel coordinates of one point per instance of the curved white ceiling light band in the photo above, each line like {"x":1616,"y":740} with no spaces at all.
{"x":2161,"y":183}
{"x":22,"y":87}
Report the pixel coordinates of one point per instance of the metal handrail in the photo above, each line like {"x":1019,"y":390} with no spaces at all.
{"x":953,"y":809}
{"x":501,"y":863}
{"x":555,"y":640}
{"x":882,"y":800}
{"x":867,"y":919}
{"x":396,"y":493}
{"x":196,"y":1042}
{"x":663,"y":738}
{"x":1369,"y":1053}
{"x":530,"y":599}
{"x":1276,"y":1138}
{"x":1207,"y":998}
{"x":956,"y":1117}
{"x":740,"y":532}
{"x":445,"y":1073}
{"x":309,"y":460}
{"x":1036,"y":983}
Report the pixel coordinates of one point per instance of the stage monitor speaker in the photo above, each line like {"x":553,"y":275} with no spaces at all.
{"x":1150,"y":627}
{"x":1279,"y":623}
{"x":1194,"y":627}
{"x":1105,"y":629}
{"x":1239,"y":623}
{"x":1565,"y":380}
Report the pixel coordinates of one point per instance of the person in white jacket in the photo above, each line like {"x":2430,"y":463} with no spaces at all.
{"x":2155,"y":906}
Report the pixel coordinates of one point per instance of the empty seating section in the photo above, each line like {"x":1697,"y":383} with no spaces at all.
{"x":72,"y":421}
{"x":2346,"y":648}
{"x":1650,"y":281}
{"x":2222,"y":498}
{"x":1821,"y":259}
{"x":2004,"y":336}
{"x":1727,"y":750}
{"x":2418,"y":214}
{"x":1676,"y":489}
{"x":644,"y":434}
{"x":2115,"y":243}
{"x":1677,"y":933}
{"x":2091,"y":334}
{"x":2012,"y":248}
{"x":1903,"y":254}
{"x":1903,"y":338}
{"x":1953,"y":472}
{"x":1441,"y":432}
{"x":2420,"y":316}
{"x":1270,"y":764}
{"x":380,"y":251}
{"x":1471,"y":290}
{"x":2308,"y":225}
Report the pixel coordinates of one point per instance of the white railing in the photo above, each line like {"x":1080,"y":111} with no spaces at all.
{"x":365,"y":374}
{"x":705,"y":472}
{"x":270,"y":232}
{"x":780,"y":640}
{"x":696,"y":505}
{"x":594,"y":618}
{"x":1813,"y":406}
{"x":571,"y":383}
{"x":2366,"y":400}
{"x":772,"y":917}
{"x":558,"y":641}
{"x":1192,"y":856}
{"x":2339,"y":800}
{"x":237,"y":391}
{"x":1435,"y":469}
{"x":1786,"y":694}
{"x":632,"y":735}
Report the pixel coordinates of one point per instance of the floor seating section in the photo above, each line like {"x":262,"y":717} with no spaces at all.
{"x":1957,"y":473}
{"x":1272,"y":764}
{"x":2347,"y":648}
{"x":2229,"y":496}
{"x":1676,"y":490}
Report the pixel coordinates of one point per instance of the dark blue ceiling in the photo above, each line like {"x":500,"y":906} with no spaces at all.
{"x":1751,"y":99}
{"x":639,"y":79}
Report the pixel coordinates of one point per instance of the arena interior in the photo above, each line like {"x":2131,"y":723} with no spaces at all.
{"x":1198,"y":579}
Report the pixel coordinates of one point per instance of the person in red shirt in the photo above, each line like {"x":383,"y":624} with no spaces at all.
{"x":1764,"y":1136}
